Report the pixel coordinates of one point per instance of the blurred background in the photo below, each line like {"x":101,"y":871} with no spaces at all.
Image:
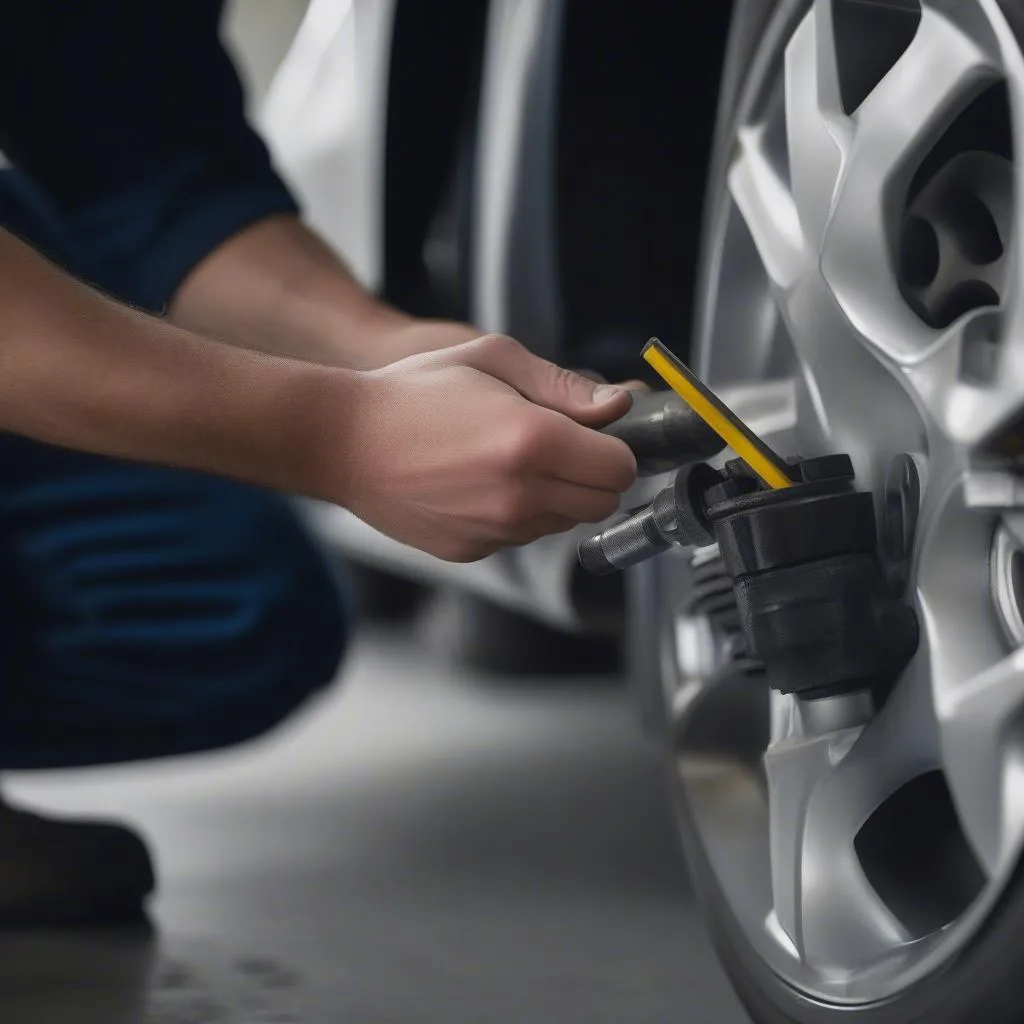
{"x":470,"y":826}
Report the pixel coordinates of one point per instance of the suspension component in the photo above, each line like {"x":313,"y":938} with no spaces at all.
{"x":799,"y":542}
{"x":812,"y":598}
{"x":811,"y":593}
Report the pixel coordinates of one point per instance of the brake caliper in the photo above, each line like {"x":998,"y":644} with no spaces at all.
{"x":811,"y":593}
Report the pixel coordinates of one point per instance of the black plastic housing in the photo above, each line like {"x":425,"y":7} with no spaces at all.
{"x":810,"y":590}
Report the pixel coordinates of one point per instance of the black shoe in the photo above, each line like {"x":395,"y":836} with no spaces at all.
{"x":56,"y":873}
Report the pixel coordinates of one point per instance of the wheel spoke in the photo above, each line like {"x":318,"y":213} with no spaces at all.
{"x":965,"y":410}
{"x":933,"y":81}
{"x":817,"y":130}
{"x":941,"y":71}
{"x":979,"y":723}
{"x":768,"y":209}
{"x":977,"y":690}
{"x":821,"y":791}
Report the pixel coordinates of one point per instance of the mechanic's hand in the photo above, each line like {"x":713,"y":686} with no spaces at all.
{"x":398,"y":337}
{"x":481,"y":446}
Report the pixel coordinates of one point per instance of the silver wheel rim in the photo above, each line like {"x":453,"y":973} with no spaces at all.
{"x":881,"y":341}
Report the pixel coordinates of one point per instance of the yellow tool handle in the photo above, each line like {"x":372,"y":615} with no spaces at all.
{"x":765,"y":462}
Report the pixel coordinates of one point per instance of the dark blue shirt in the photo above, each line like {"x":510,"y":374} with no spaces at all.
{"x":124,"y":123}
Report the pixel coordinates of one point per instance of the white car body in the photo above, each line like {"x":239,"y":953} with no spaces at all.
{"x":323,"y":113}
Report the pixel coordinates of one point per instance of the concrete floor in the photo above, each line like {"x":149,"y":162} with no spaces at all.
{"x":416,"y":848}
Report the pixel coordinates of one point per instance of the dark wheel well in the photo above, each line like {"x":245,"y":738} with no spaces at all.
{"x":433,"y":85}
{"x":637,"y":99}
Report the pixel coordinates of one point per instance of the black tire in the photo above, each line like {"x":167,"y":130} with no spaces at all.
{"x":983,"y":984}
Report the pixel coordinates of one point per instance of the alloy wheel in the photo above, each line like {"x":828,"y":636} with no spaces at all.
{"x":863,"y":274}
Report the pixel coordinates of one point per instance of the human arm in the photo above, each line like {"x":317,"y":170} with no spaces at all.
{"x":82,"y":371}
{"x":129,"y":119}
{"x":276,"y":286}
{"x":458,"y":453}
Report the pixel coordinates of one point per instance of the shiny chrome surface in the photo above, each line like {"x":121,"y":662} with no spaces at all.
{"x":515,"y":186}
{"x":804,"y":284}
{"x":1007,"y":567}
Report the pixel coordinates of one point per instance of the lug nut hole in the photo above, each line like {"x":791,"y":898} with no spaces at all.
{"x":975,"y":228}
{"x":965,"y":297}
{"x":919,"y":253}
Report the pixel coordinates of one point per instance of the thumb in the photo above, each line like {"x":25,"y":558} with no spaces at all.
{"x":589,"y":402}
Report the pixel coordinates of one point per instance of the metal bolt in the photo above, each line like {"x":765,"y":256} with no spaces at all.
{"x":900,"y":516}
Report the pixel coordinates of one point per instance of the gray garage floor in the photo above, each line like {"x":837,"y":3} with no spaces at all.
{"x":416,"y":848}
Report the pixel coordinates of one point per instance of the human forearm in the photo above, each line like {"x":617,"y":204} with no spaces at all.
{"x":277,"y":287}
{"x":459,"y":452}
{"x":79,"y":370}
